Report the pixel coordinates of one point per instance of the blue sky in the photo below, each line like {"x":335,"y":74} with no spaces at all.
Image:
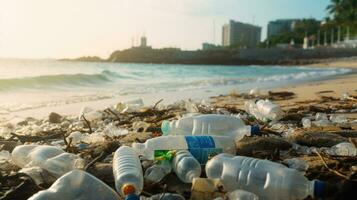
{"x":71,"y":28}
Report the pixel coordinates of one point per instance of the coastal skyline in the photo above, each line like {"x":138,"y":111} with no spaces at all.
{"x":57,"y":29}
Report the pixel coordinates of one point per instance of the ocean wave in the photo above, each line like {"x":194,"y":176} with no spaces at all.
{"x":59,"y":81}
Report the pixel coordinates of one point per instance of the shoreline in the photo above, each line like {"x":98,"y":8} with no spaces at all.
{"x":333,"y":86}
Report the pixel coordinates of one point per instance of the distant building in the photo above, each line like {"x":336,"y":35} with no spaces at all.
{"x":240,"y":34}
{"x":209,"y":46}
{"x":281,"y":25}
{"x":143,"y":41}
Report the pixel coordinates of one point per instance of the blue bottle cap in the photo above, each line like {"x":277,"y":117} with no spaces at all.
{"x":255,"y":130}
{"x":319,"y":189}
{"x":132,"y":197}
{"x":165,"y":127}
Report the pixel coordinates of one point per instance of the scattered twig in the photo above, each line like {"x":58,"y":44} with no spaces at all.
{"x":330,"y":169}
{"x":157,"y":103}
{"x":113,"y":113}
{"x":101,"y":156}
{"x":27,"y":138}
{"x":88,"y":124}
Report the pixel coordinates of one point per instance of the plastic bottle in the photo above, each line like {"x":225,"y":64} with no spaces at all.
{"x":77,"y":184}
{"x":268,"y":180}
{"x":251,"y":108}
{"x":210,"y":124}
{"x":269,"y":110}
{"x":343,"y":149}
{"x":128,"y":174}
{"x":186,"y":166}
{"x":50,"y":158}
{"x":157,"y":172}
{"x":164,"y":196}
{"x":242,"y":195}
{"x":201,"y":147}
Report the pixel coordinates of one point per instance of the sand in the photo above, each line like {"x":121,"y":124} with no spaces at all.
{"x":332,"y":87}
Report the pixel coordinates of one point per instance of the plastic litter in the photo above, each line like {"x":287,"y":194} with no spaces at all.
{"x":186,"y":166}
{"x":201,"y":147}
{"x":157,"y":172}
{"x":53,"y":159}
{"x":209,"y":124}
{"x":113,"y":131}
{"x":264,"y":110}
{"x":338,"y":118}
{"x":242,"y":195}
{"x":205,"y":188}
{"x":268,"y":180}
{"x":129,"y":106}
{"x":164,"y":196}
{"x":295,"y":163}
{"x":128,"y":174}
{"x":4,"y":156}
{"x":342,"y":149}
{"x":77,"y":185}
{"x":254,"y":92}
{"x":90,"y":114}
{"x":306,"y":122}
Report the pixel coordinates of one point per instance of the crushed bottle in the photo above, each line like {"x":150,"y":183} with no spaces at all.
{"x":77,"y":184}
{"x":158,"y":171}
{"x":50,"y":158}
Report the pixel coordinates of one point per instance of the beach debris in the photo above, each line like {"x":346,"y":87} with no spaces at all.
{"x":53,"y":159}
{"x":77,"y":184}
{"x":157,"y":172}
{"x":342,"y":149}
{"x":54,"y":118}
{"x":201,"y":147}
{"x":255,"y":92}
{"x":295,"y":163}
{"x":316,"y":137}
{"x":241,"y":195}
{"x":209,"y":124}
{"x":206,"y":188}
{"x":128,"y":174}
{"x":185,"y":166}
{"x":4,"y":156}
{"x":240,"y":166}
{"x":264,"y":110}
{"x":164,"y":196}
{"x":129,"y":106}
{"x":253,"y":146}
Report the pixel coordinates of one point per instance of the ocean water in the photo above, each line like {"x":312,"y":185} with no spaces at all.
{"x":29,"y":84}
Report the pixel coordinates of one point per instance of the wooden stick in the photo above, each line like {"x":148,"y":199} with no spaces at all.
{"x":330,"y":169}
{"x":88,"y":124}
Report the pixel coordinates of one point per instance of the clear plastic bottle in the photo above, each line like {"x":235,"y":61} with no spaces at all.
{"x":242,"y":195}
{"x":268,"y":180}
{"x":343,"y":149}
{"x":269,"y":110}
{"x":186,"y":166}
{"x":209,"y":124}
{"x":201,"y":147}
{"x":77,"y":184}
{"x":164,"y":196}
{"x":51,"y":158}
{"x":128,"y":174}
{"x":157,"y":172}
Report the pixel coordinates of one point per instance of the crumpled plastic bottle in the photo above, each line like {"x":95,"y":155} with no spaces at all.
{"x":157,"y":172}
{"x":186,"y":166}
{"x":51,"y":158}
{"x":77,"y":184}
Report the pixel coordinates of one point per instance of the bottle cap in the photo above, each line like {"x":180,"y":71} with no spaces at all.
{"x":165,"y":127}
{"x":319,"y":188}
{"x":128,"y":189}
{"x":132,"y":197}
{"x":255,"y":130}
